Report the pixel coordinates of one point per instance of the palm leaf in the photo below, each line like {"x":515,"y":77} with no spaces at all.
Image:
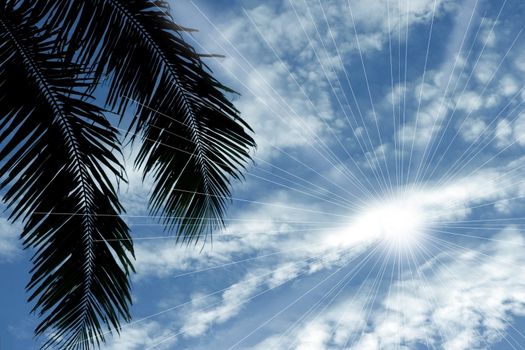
{"x":194,"y":141}
{"x":58,"y":159}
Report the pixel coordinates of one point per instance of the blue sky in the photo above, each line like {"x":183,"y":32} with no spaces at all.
{"x":384,"y":208}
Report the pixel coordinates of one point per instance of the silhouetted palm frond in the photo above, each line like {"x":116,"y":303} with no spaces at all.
{"x":194,"y":140}
{"x":58,"y":158}
{"x":59,"y":167}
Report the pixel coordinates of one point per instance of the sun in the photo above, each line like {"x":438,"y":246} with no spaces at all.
{"x":398,"y":222}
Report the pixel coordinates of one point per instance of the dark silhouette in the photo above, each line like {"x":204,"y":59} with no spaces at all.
{"x":60,"y":156}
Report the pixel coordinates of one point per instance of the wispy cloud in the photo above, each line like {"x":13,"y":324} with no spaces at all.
{"x":9,"y":246}
{"x":462,"y":299}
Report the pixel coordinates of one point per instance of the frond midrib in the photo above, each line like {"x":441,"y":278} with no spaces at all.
{"x":194,"y":127}
{"x":35,"y":71}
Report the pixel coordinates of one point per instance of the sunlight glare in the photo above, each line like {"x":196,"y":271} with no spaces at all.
{"x":398,"y":222}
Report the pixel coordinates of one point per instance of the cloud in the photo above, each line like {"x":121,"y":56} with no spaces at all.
{"x":198,"y":320}
{"x":469,"y":101}
{"x":472,"y":129}
{"x":503,"y":133}
{"x":9,"y":247}
{"x":508,"y":85}
{"x":135,"y":193}
{"x":486,"y":67}
{"x":473,"y":84}
{"x":142,"y":336}
{"x":291,"y":66}
{"x":288,"y":252}
{"x":510,"y":132}
{"x":465,"y":298}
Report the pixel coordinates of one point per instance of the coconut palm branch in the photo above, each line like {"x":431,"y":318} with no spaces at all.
{"x":59,"y":167}
{"x":193,"y":139}
{"x":60,"y":154}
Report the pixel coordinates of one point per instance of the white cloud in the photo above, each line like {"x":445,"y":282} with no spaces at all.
{"x":288,"y":99}
{"x":508,"y":86}
{"x":469,"y":101}
{"x":142,"y":336}
{"x":472,"y":129}
{"x":465,"y":299}
{"x":486,"y":67}
{"x":332,"y":247}
{"x":519,"y":129}
{"x":510,"y":132}
{"x":487,"y":35}
{"x":434,"y":98}
{"x":9,"y":247}
{"x":450,"y":92}
{"x":503,"y":133}
{"x":134,"y":194}
{"x":376,"y":157}
{"x":199,"y":320}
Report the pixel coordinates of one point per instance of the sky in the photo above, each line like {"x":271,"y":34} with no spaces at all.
{"x":384,"y":205}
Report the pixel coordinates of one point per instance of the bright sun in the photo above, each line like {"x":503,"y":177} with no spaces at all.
{"x":396,"y":222}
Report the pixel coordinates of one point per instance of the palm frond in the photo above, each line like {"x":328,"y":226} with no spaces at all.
{"x":194,"y":141}
{"x":58,"y":158}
